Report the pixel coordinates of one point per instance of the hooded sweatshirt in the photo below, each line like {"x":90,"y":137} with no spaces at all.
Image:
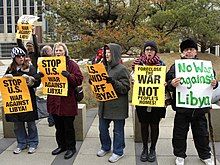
{"x":117,"y":108}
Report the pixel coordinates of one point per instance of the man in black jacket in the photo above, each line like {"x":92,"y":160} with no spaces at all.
{"x":185,"y":117}
{"x":31,"y":50}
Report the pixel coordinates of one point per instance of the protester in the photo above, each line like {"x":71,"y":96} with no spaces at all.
{"x":99,"y":57}
{"x":149,"y":116}
{"x":185,"y":117}
{"x":114,"y":110}
{"x":47,"y":51}
{"x":64,"y":108}
{"x":31,"y":50}
{"x":25,"y":138}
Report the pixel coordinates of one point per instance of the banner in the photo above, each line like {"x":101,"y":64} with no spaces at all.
{"x":15,"y":95}
{"x":54,"y":83}
{"x":195,"y":90}
{"x":102,"y":91}
{"x":149,"y":89}
{"x":24,"y":27}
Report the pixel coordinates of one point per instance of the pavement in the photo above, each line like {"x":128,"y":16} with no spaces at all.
{"x":87,"y":149}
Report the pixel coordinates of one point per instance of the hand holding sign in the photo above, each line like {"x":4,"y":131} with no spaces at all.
{"x":65,"y":73}
{"x":110,"y":80}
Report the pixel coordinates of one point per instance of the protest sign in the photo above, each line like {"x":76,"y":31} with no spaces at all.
{"x":148,"y":89}
{"x":195,"y":90}
{"x":103,"y":91}
{"x":24,"y":27}
{"x":54,"y":83}
{"x":15,"y":95}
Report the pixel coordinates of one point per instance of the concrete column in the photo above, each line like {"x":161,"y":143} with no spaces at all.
{"x":8,"y":127}
{"x":215,"y":117}
{"x":80,"y":123}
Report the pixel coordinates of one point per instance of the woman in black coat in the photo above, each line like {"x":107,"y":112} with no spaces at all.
{"x":28,"y":138}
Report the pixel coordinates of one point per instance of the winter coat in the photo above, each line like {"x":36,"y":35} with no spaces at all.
{"x":66,"y":105}
{"x":169,"y":77}
{"x":25,"y":116}
{"x":117,"y":108}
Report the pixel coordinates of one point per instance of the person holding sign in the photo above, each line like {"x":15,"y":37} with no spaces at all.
{"x":115,"y":110}
{"x":32,"y":49}
{"x":149,"y":116}
{"x":28,"y":138}
{"x":47,"y":51}
{"x":185,"y":117}
{"x":64,"y":108}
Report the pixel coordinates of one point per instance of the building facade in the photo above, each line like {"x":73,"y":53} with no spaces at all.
{"x":10,"y":11}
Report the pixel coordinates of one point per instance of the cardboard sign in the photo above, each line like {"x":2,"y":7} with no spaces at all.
{"x":15,"y":95}
{"x":103,"y":91}
{"x":54,"y":83}
{"x":195,"y":90}
{"x":24,"y":27}
{"x":149,"y":87}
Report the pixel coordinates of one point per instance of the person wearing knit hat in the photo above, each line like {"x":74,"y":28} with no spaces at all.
{"x":25,"y":128}
{"x":185,"y":117}
{"x":152,"y":44}
{"x":149,"y":116}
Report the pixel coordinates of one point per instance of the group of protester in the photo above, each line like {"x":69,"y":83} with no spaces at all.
{"x":63,"y":109}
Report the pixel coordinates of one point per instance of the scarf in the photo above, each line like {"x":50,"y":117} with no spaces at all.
{"x":155,"y":61}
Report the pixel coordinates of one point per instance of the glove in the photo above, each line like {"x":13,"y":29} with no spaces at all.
{"x":110,"y":80}
{"x":65,"y":74}
{"x":31,"y":81}
{"x":38,"y":75}
{"x":26,"y":77}
{"x":8,"y":76}
{"x":90,"y":82}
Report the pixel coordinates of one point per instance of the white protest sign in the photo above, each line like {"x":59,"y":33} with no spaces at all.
{"x":195,"y":90}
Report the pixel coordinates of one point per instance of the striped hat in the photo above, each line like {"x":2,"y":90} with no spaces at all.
{"x":16,"y":51}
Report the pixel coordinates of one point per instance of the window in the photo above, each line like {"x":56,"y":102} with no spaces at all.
{"x":39,"y":10}
{"x":9,"y":22}
{"x":1,"y":17}
{"x":31,"y":7}
{"x":24,"y":7}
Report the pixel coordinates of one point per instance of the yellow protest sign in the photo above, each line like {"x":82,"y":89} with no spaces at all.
{"x":103,"y":91}
{"x":15,"y":95}
{"x":24,"y":26}
{"x":149,"y":87}
{"x":54,"y":83}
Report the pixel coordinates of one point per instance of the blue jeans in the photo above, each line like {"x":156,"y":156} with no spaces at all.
{"x":26,"y":138}
{"x":118,"y":139}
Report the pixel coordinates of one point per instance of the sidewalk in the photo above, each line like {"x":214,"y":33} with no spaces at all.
{"x":86,"y":150}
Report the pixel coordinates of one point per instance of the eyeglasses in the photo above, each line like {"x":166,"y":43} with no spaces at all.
{"x":149,"y":49}
{"x":19,"y":56}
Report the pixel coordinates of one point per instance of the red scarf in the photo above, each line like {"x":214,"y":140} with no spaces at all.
{"x":153,"y":61}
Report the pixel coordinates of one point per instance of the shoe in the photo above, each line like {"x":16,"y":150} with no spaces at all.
{"x":51,"y":124}
{"x":102,"y":153}
{"x":31,"y":150}
{"x":69,"y":154}
{"x":17,"y":151}
{"x":57,"y":151}
{"x":144,"y":155}
{"x":208,"y":161}
{"x":152,"y":156}
{"x":114,"y":158}
{"x":179,"y":161}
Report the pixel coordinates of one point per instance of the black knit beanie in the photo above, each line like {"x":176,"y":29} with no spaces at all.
{"x":188,"y":43}
{"x":151,"y":44}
